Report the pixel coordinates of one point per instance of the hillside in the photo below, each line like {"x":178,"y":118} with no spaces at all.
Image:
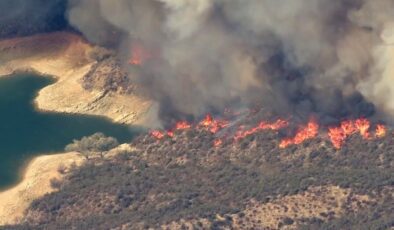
{"x":187,"y":183}
{"x":35,"y":184}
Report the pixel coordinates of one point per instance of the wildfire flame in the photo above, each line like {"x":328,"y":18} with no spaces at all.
{"x":139,"y":55}
{"x":208,"y":123}
{"x":337,"y":134}
{"x":182,"y":125}
{"x":363,"y":126}
{"x":157,"y":134}
{"x":279,"y":124}
{"x":310,"y":131}
{"x":381,"y":131}
{"x":213,"y":125}
{"x":217,"y":142}
{"x":208,"y":120}
{"x":348,"y":127}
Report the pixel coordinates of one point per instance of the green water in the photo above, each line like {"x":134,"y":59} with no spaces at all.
{"x":25,"y":132}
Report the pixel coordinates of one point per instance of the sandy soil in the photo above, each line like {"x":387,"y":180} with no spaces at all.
{"x":66,"y":57}
{"x":35,"y":184}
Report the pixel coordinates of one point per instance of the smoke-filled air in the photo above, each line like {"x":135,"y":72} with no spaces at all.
{"x":326,"y":58}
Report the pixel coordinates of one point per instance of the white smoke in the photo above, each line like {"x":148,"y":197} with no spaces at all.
{"x":378,"y":86}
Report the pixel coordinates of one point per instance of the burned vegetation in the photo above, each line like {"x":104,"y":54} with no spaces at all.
{"x":186,"y":181}
{"x":107,"y":73}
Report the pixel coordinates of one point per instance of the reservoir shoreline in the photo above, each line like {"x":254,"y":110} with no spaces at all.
{"x":36,"y":183}
{"x":27,"y":132}
{"x":64,"y":57}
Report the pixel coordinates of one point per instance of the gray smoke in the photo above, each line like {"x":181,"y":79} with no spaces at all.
{"x":296,"y":56}
{"x":26,"y":17}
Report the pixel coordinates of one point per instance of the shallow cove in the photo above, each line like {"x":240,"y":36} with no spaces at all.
{"x":26,"y":132}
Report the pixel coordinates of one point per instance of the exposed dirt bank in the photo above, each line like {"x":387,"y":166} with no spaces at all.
{"x":66,"y":56}
{"x":35,"y":184}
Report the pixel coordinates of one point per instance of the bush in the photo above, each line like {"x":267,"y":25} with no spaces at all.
{"x":97,"y":143}
{"x":55,"y":183}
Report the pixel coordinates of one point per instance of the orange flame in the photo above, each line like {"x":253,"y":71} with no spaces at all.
{"x":348,"y":127}
{"x":363,"y":126}
{"x":212,"y":125}
{"x":380,"y":131}
{"x":138,"y":54}
{"x":208,"y":123}
{"x":305,"y":133}
{"x":217,"y":142}
{"x":208,"y":120}
{"x":338,"y":136}
{"x":157,"y":134}
{"x":170,"y":133}
{"x":182,"y":125}
{"x":279,"y":124}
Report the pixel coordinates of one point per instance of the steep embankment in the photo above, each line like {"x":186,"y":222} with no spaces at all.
{"x":40,"y":178}
{"x":66,"y":56}
{"x":35,"y":184}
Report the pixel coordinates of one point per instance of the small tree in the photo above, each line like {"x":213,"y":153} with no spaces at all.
{"x":96,"y":143}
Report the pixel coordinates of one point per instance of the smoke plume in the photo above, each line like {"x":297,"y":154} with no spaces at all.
{"x":330,"y":58}
{"x":26,"y":17}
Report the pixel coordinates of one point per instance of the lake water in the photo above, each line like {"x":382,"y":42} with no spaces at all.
{"x":25,"y":132}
